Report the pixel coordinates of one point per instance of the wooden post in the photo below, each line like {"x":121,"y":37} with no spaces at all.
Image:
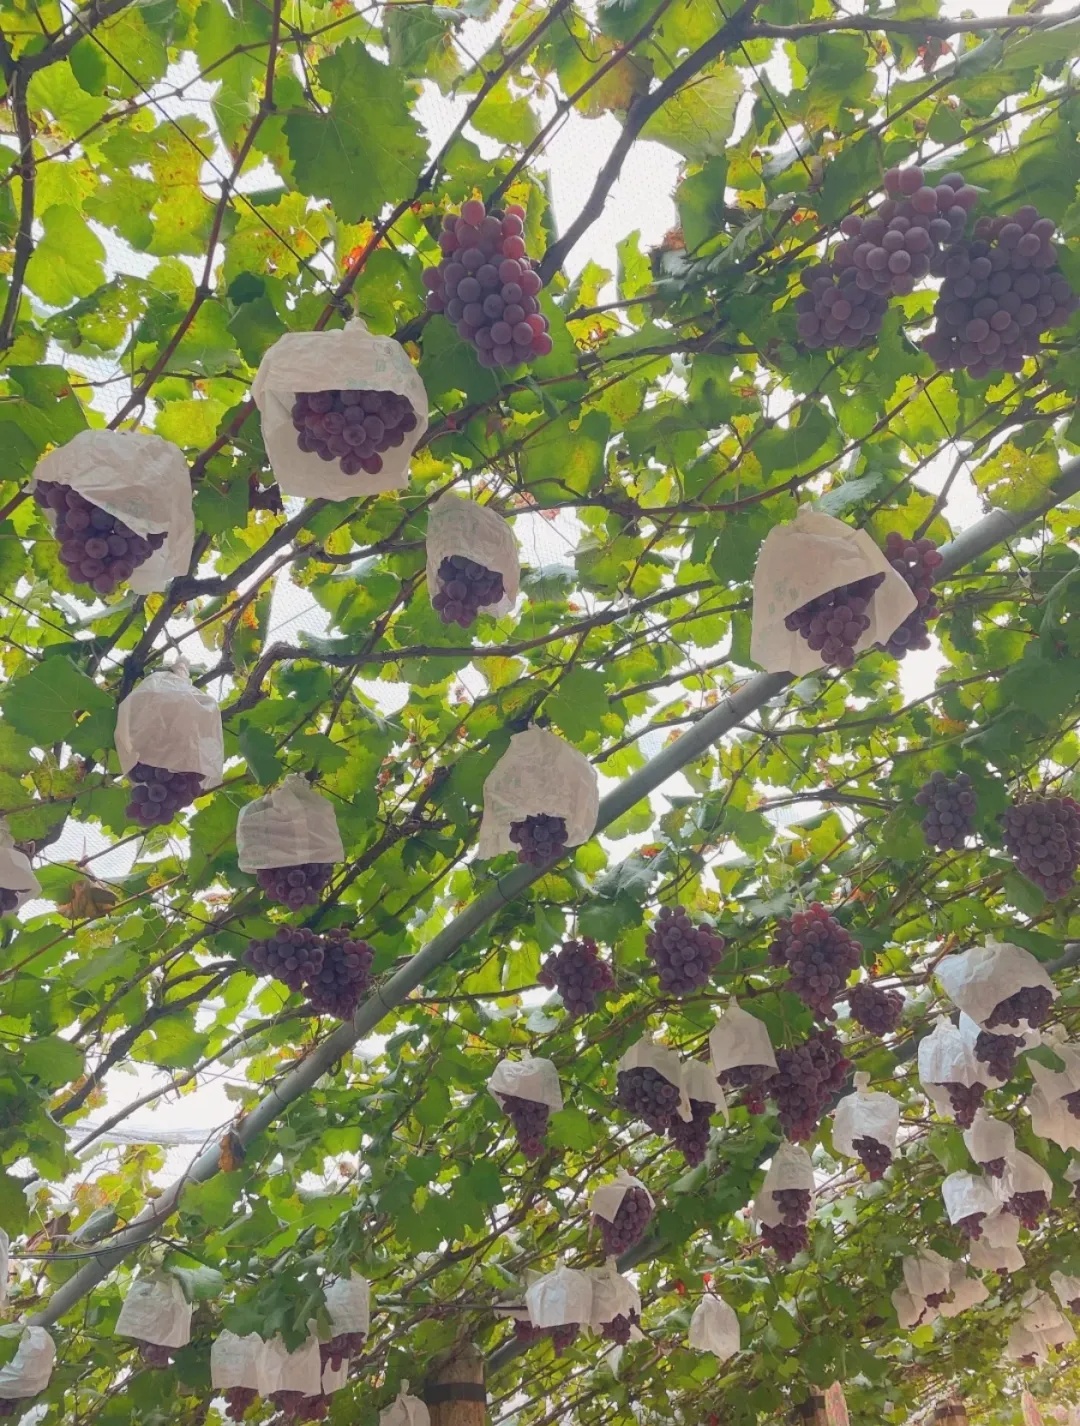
{"x":951,"y":1413}
{"x":454,"y":1391}
{"x":811,"y":1412}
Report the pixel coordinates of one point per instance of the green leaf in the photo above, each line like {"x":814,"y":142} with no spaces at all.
{"x":45,"y":703}
{"x":68,"y":259}
{"x":366,"y":150}
{"x":579,"y":704}
{"x":1015,"y":479}
{"x":52,"y":1060}
{"x":260,"y":750}
{"x":699,"y":119}
{"x":571,"y":1128}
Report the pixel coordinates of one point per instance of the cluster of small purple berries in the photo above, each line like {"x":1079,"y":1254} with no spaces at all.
{"x":685,"y":955}
{"x":876,"y":1009}
{"x":833,"y":623}
{"x":629,"y":1224}
{"x":1002,"y":291}
{"x":691,"y":1136}
{"x":158,"y":794}
{"x":819,"y":954}
{"x":352,"y":427}
{"x":334,"y":969}
{"x":530,"y":1120}
{"x":9,"y":900}
{"x":238,"y":1401}
{"x":1029,"y":1207}
{"x":487,"y":287}
{"x":874,"y":1156}
{"x":296,"y":886}
{"x":950,"y":806}
{"x":644,"y":1092}
{"x":788,"y":1237}
{"x":915,"y":561}
{"x":576,"y":971}
{"x":95,"y":547}
{"x":1031,"y":1003}
{"x":1042,"y":835}
{"x":339,"y":1349}
{"x":464,"y":588}
{"x":806,"y":1078}
{"x":155,"y":1356}
{"x":540,"y":839}
{"x":998,"y":1052}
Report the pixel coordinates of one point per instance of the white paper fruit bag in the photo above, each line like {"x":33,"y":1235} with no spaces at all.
{"x":348,"y":1302}
{"x":234,"y":1361}
{"x":16,"y":874}
{"x":809,"y":557}
{"x":290,"y":826}
{"x":946,"y":1057}
{"x":156,"y":1310}
{"x":348,"y":359}
{"x":997,"y":1250}
{"x":528,"y":1078}
{"x":459,"y":527}
{"x":28,"y":1372}
{"x":165,"y":721}
{"x":866,"y":1114}
{"x":740,"y":1040}
{"x":966,"y":1290}
{"x":978,"y":980}
{"x":613,"y":1295}
{"x":969,"y":1195}
{"x":539,"y":774}
{"x":141,"y":480}
{"x":560,"y":1298}
{"x":1066,"y":1290}
{"x":790,"y":1168}
{"x":990,"y":1141}
{"x":1050,"y":1119}
{"x":405,"y":1410}
{"x":714,"y":1328}
{"x":282,"y":1370}
{"x":607,"y":1200}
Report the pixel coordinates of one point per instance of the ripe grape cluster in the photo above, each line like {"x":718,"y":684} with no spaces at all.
{"x":464,"y":588}
{"x":793,"y":1204}
{"x":238,"y":1400}
{"x":1042,"y":835}
{"x":530,"y":1120}
{"x":155,"y":1356}
{"x":971,"y":1225}
{"x":578,"y":974}
{"x":1002,"y":291}
{"x":1029,"y":1207}
{"x":915,"y":561}
{"x":539,"y":838}
{"x":158,"y":794}
{"x":685,"y":955}
{"x":998,"y":1052}
{"x":786,"y":1240}
{"x":964,"y":1100}
{"x":295,"y":886}
{"x":620,"y":1328}
{"x":1031,"y":1004}
{"x":629,"y":1224}
{"x":874,"y":1156}
{"x":819,"y":954}
{"x":95,"y":547}
{"x":644,"y":1092}
{"x":295,"y":1406}
{"x":345,"y":974}
{"x":340,"y":1348}
{"x":527,"y":1334}
{"x":950,"y":810}
{"x":752,"y":1080}
{"x":807,"y":1077}
{"x":881,"y":255}
{"x":833,"y":623}
{"x":9,"y":900}
{"x":334,"y":969}
{"x":487,"y":287}
{"x":564,"y":1336}
{"x":352,"y":427}
{"x":691,"y":1136}
{"x":994,"y":1168}
{"x":874,"y":1008}
{"x":1072,"y":1103}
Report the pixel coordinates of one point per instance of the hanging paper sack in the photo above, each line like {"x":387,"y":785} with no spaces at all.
{"x":927,"y":1274}
{"x":990,"y":1142}
{"x":965,"y":1290}
{"x":18,"y":884}
{"x":613,"y":1296}
{"x":790,"y":1172}
{"x":472,"y":561}
{"x":169,"y":740}
{"x":5,"y":1264}
{"x":649,"y":1085}
{"x":866,"y":1125}
{"x":622,"y":1210}
{"x":1001,"y":987}
{"x":1042,"y":1315}
{"x":282,"y":1370}
{"x":541,"y":797}
{"x":342,"y":412}
{"x":562,"y":1298}
{"x":701,"y":1086}
{"x":527,"y":1090}
{"x":1026,"y":1346}
{"x":1026,"y":1188}
{"x":969,"y":1200}
{"x":405,"y":1410}
{"x":155,"y":1310}
{"x":997,"y":1250}
{"x":289,"y":839}
{"x":348,"y":1305}
{"x":810,"y":557}
{"x":1066,"y":1290}
{"x":742,"y":1055}
{"x":948,"y":1068}
{"x":234,"y":1361}
{"x":144,"y":484}
{"x":1051,"y":1119}
{"x":715,"y":1328}
{"x":28,"y":1372}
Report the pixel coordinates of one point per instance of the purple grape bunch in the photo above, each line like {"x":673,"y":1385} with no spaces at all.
{"x":296,"y":886}
{"x":9,"y":900}
{"x":833,"y":623}
{"x":530,"y":1120}
{"x":1031,"y":1003}
{"x":540,"y":839}
{"x":876,"y":1009}
{"x":647,"y":1095}
{"x":487,"y":287}
{"x":295,"y":1406}
{"x":96,"y":548}
{"x":355,"y":428}
{"x":620,"y":1328}
{"x":578,"y":974}
{"x":564,"y":1336}
{"x":629,"y":1224}
{"x":158,"y":794}
{"x":998,"y":1052}
{"x":964,"y":1100}
{"x":1042,"y":835}
{"x":971,"y":1225}
{"x":835,"y":311}
{"x":292,"y":955}
{"x":334,"y":970}
{"x":239,"y":1400}
{"x":465,"y":587}
{"x":753,"y":1080}
{"x":685,"y":955}
{"x":807,"y":1077}
{"x":155,"y":1356}
{"x":874,"y":1156}
{"x":691,"y":1136}
{"x":790,"y":1236}
{"x":1029,"y":1207}
{"x":916,"y":562}
{"x":339,"y":1349}
{"x":949,"y":804}
{"x":819,"y":954}
{"x":1002,"y":291}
